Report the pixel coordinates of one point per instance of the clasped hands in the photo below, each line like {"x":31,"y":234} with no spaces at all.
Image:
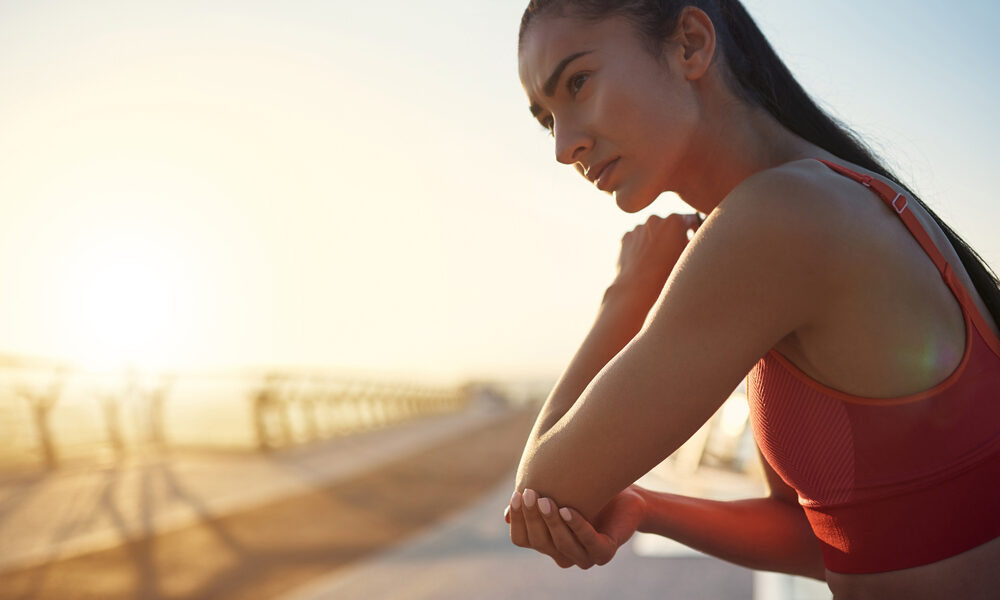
{"x":566,"y":536}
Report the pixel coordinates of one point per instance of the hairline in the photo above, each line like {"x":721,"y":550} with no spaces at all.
{"x":563,"y":9}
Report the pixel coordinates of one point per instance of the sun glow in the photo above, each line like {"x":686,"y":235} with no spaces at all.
{"x":123,"y":273}
{"x":120,"y":303}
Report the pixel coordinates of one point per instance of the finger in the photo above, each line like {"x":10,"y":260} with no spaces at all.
{"x":600,"y":548}
{"x":506,"y":514}
{"x":687,"y":223}
{"x":538,"y":533}
{"x":518,"y":531}
{"x":684,"y":221}
{"x":562,"y":537}
{"x":694,"y":221}
{"x":564,"y":563}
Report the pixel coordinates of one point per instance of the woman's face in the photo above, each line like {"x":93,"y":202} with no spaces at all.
{"x":620,"y":115}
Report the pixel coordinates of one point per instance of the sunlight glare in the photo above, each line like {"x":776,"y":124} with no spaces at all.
{"x":125,"y":308}
{"x":125,"y":279}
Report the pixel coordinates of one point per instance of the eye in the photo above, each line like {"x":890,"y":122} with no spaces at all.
{"x":575,"y":83}
{"x":548,"y":125}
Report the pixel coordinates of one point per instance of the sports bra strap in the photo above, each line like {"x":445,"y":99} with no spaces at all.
{"x":899,"y":203}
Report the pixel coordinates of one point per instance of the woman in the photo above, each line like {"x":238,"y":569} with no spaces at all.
{"x":867,"y":329}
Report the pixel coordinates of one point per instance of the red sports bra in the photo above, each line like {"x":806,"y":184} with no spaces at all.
{"x":892,"y":483}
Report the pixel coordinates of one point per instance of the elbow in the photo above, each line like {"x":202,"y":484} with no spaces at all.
{"x":530,"y":477}
{"x":553,"y":475}
{"x":561,"y":489}
{"x":526,"y":477}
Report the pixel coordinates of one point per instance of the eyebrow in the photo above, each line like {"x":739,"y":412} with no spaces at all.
{"x":549,"y":89}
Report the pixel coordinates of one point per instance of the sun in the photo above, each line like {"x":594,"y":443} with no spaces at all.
{"x":124,"y":297}
{"x":126,"y":307}
{"x":127,"y":261}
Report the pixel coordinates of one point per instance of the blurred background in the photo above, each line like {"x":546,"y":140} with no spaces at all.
{"x":283,"y":283}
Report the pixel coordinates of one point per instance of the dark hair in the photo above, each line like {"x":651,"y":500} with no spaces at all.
{"x":757,"y":74}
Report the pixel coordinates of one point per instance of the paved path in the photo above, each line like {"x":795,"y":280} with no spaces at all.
{"x":407,"y":514}
{"x":67,"y":513}
{"x":470,"y":556}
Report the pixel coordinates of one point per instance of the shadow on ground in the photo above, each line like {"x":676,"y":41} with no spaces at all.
{"x":271,"y":549}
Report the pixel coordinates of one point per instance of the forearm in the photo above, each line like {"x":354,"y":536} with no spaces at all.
{"x":619,"y":319}
{"x":764,"y":533}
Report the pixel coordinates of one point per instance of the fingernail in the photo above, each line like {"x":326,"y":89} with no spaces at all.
{"x":506,"y":514}
{"x":529,"y":498}
{"x":544,"y":506}
{"x":515,"y":501}
{"x":565,"y":514}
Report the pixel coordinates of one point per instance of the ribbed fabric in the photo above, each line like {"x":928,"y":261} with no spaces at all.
{"x":889,"y":483}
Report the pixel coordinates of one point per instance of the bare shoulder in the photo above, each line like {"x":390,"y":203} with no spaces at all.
{"x":791,"y":220}
{"x":801,"y":196}
{"x":770,"y":255}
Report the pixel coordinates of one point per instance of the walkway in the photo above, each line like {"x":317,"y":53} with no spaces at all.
{"x":403,"y":514}
{"x":469,"y":556}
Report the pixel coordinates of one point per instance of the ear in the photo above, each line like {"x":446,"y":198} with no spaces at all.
{"x":694,"y":41}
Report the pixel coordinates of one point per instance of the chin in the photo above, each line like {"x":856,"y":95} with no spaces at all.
{"x":632,"y":203}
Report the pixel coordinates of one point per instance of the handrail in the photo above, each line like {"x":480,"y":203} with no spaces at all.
{"x":51,"y":414}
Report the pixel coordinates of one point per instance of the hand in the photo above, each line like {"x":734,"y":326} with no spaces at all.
{"x":650,"y":251}
{"x":563,"y":533}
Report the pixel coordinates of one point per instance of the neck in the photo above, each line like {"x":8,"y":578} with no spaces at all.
{"x":742,"y":140}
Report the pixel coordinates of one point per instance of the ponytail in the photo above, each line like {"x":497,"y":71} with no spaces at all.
{"x":760,"y":78}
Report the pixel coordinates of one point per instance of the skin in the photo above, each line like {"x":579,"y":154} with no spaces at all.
{"x":683,"y":322}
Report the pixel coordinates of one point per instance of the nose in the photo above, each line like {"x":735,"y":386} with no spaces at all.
{"x":571,"y":143}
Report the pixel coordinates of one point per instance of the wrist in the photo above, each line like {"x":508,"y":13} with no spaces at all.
{"x":622,"y":314}
{"x":645,"y":521}
{"x":632,"y":293}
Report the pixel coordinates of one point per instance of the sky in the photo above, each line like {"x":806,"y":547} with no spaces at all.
{"x":216,"y":184}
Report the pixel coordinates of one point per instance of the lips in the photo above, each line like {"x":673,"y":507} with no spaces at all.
{"x":598,"y":174}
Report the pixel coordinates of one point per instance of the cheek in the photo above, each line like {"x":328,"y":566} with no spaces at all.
{"x":639,"y":122}
{"x":669,"y":132}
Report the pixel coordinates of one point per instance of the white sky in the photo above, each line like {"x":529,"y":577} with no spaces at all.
{"x":354,"y":184}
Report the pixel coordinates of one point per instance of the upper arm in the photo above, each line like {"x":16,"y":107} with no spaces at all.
{"x":752,"y":275}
